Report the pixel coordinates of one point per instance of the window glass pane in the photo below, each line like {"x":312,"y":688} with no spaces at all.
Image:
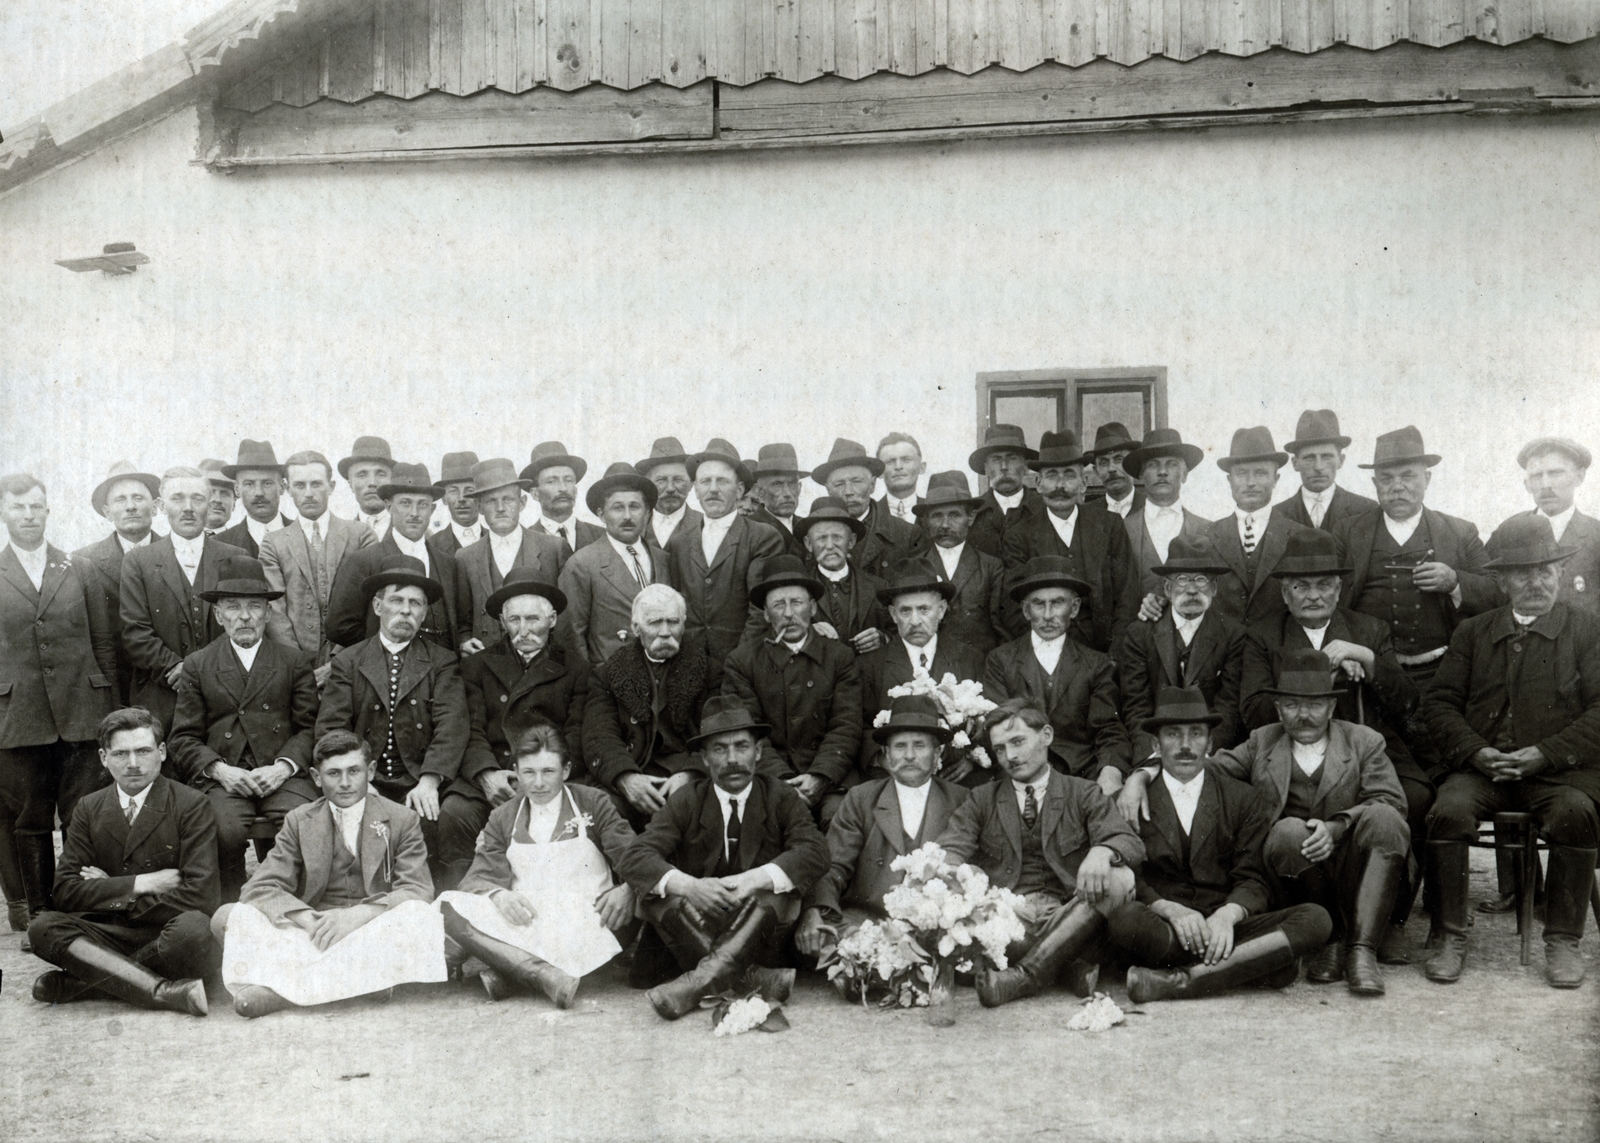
{"x":1098,"y":408}
{"x":1035,"y":413}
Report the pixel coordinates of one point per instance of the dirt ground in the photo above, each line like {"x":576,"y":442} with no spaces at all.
{"x":1499,"y":1056}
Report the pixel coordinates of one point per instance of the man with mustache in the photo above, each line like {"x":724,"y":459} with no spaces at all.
{"x":777,"y":474}
{"x":806,"y":688}
{"x":1002,"y":461}
{"x":849,"y":610}
{"x":850,"y":476}
{"x":554,"y":474}
{"x":1515,"y":709}
{"x":901,"y":457}
{"x":247,"y":706}
{"x":259,"y":479}
{"x":1317,"y":453}
{"x":367,"y":469}
{"x":506,"y":544}
{"x":1553,"y":469}
{"x":1163,"y":463}
{"x":667,"y":468}
{"x":601,"y":580}
{"x":224,"y":495}
{"x":164,"y":616}
{"x":977,"y":606}
{"x":1112,"y":444}
{"x":129,"y":500}
{"x":1252,"y":539}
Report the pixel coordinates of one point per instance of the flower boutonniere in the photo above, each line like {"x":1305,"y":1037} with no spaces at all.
{"x":381,"y":828}
{"x":586,"y":821}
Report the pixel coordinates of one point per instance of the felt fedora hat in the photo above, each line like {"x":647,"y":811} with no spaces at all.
{"x":1310,"y":552}
{"x":1191,"y":556}
{"x":846,"y":454}
{"x":368,"y":449}
{"x":666,"y":450}
{"x":776,"y":460}
{"x":455,"y":467}
{"x":999,"y":438}
{"x":725,"y":713}
{"x":240,"y":577}
{"x":1057,"y":450}
{"x":1305,"y":673}
{"x":496,"y":472}
{"x":1111,"y":437}
{"x":552,"y":454}
{"x":1252,"y":445}
{"x":620,"y":475}
{"x":1317,"y":426}
{"x":782,"y":571}
{"x":213,"y":467}
{"x":1526,"y":541}
{"x":828,"y":508}
{"x":402,"y":571}
{"x":1541,"y":445}
{"x":944,"y":490}
{"x":908,"y":576}
{"x":719,"y":449}
{"x":1159,"y":443}
{"x":523,"y":581}
{"x":254,"y":454}
{"x":913,"y":712}
{"x":1048,"y":571}
{"x":1179,"y":705}
{"x":409,"y":478}
{"x":1403,"y":446}
{"x":118,"y":472}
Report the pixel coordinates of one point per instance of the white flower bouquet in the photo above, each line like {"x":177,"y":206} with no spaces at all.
{"x":962,"y":706}
{"x":736,"y":1015}
{"x":880,"y":959}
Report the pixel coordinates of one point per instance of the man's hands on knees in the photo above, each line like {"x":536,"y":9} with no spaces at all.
{"x":1319,"y":846}
{"x":239,"y":782}
{"x":644,"y":793}
{"x":514,"y":906}
{"x":328,"y":929}
{"x":1219,"y":933}
{"x":707,"y":894}
{"x":615,"y":906}
{"x":747,"y":884}
{"x":497,"y":786}
{"x":811,"y":787}
{"x":424,"y":797}
{"x":813,"y":933}
{"x":1094,"y":875}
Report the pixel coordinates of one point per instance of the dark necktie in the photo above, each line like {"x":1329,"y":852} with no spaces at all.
{"x":1030,"y":808}
{"x":922,"y":659}
{"x":734,"y":832}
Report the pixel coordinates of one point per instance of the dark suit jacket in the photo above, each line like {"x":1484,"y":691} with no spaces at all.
{"x":394,"y":860}
{"x":1080,"y":699}
{"x":1356,"y":771}
{"x":976,"y":614}
{"x":587,"y":534}
{"x":686,"y":834}
{"x":221,"y":710}
{"x":986,"y":830}
{"x":101,"y":566}
{"x":889,"y":540}
{"x":239,"y":536}
{"x":1344,"y":505}
{"x":58,"y":666}
{"x":1104,"y":558}
{"x":864,"y":609}
{"x":626,"y":730}
{"x":1550,"y":691}
{"x":475,"y":578}
{"x":1580,"y":575}
{"x":431,"y":725}
{"x":1225,"y":865}
{"x":1143,"y":547}
{"x":600,"y":588}
{"x":889,"y":667}
{"x":690,"y":523}
{"x":297,"y":619}
{"x":491,"y":869}
{"x":1239,"y":598}
{"x":444,"y":542}
{"x":176,"y":829}
{"x":718,"y":596}
{"x":503,"y":699}
{"x":811,"y":700}
{"x":990,"y":525}
{"x":350,"y":615}
{"x":1150,"y":661}
{"x":1455,"y":543}
{"x":865,"y":837}
{"x":792,"y":545}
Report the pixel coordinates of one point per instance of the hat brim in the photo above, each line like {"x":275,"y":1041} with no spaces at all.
{"x":644,"y":466}
{"x":524,"y":485}
{"x":595,"y":498}
{"x":923,"y":507}
{"x":578,"y":465}
{"x":1207,"y":569}
{"x":1115,"y":446}
{"x":232,"y":471}
{"x":945,"y":589}
{"x":827,"y":468}
{"x":882,"y":734}
{"x":1500,"y":563}
{"x":385,"y":491}
{"x":759,"y":729}
{"x":1150,"y":725}
{"x":1331,"y":692}
{"x":979,"y":456}
{"x":1428,"y":459}
{"x":1133,"y":464}
{"x":1296,"y":446}
{"x":344,"y":465}
{"x":758,"y":593}
{"x":802,"y":524}
{"x":740,"y":469}
{"x":498,"y":597}
{"x":221,"y":593}
{"x":1027,"y":586}
{"x":1226,"y":463}
{"x":1281,"y":572}
{"x":1042,"y":462}
{"x":380,"y":580}
{"x":150,"y":480}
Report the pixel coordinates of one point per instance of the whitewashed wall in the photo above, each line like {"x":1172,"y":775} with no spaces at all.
{"x":1437,"y":271}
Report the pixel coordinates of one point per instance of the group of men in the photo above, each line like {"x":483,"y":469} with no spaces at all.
{"x":1218,"y":748}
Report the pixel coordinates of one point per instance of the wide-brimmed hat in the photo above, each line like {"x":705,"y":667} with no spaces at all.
{"x":908,"y":576}
{"x":409,"y":478}
{"x":118,"y":472}
{"x":240,"y":577}
{"x":719,"y":449}
{"x":846,"y":454}
{"x":1000,"y":438}
{"x":828,"y":508}
{"x":1112,"y":436}
{"x":944,"y":490}
{"x":456,"y":466}
{"x":254,"y":454}
{"x":1305,"y":673}
{"x":213,"y":467}
{"x":523,"y":581}
{"x":551,"y":454}
{"x":1541,"y":445}
{"x":1252,"y":445}
{"x":782,"y":571}
{"x":1058,"y":449}
{"x":1310,"y":552}
{"x":496,"y":472}
{"x":1179,"y":705}
{"x":1317,"y":426}
{"x":402,"y":571}
{"x":1403,"y":446}
{"x":913,"y":712}
{"x":620,"y":475}
{"x":1159,"y":443}
{"x":1048,"y":571}
{"x":776,"y":460}
{"x":366,"y":448}
{"x":724,"y":713}
{"x":1526,"y":541}
{"x":1188,"y":555}
{"x":666,"y":450}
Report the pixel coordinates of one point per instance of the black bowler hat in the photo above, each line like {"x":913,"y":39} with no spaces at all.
{"x":240,"y":577}
{"x":1189,"y":556}
{"x":1526,"y":541}
{"x":402,"y":571}
{"x":722,"y":714}
{"x":1180,"y":705}
{"x":825,"y":508}
{"x":620,"y":475}
{"x":783,"y":571}
{"x":1309,"y":552}
{"x":908,"y":576}
{"x":523,"y":581}
{"x":1158,"y":443}
{"x":409,"y":478}
{"x":1057,"y":450}
{"x":1048,"y":571}
{"x":1305,"y":673}
{"x":913,"y":712}
{"x":1000,"y":438}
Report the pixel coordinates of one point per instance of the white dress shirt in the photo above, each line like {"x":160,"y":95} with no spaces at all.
{"x":128,"y":545}
{"x":665,"y":525}
{"x":417,"y":550}
{"x":1064,"y":528}
{"x":1316,"y":503}
{"x":392,"y":648}
{"x":1559,"y":522}
{"x":1258,"y":522}
{"x":504,"y":550}
{"x":1047,"y":652}
{"x":950,"y":557}
{"x":637,"y":561}
{"x":1308,"y":758}
{"x":542,"y":819}
{"x":833,"y":576}
{"x":901,"y":508}
{"x":33,"y":563}
{"x":1163,"y":525}
{"x":780,"y":879}
{"x":1187,"y":627}
{"x":247,"y":655}
{"x":713,"y":532}
{"x":1315,"y":634}
{"x":1524,"y":620}
{"x":258,"y":531}
{"x":137,"y":801}
{"x":566,"y":529}
{"x":347,"y":823}
{"x":1007,"y":503}
{"x":1402,"y":530}
{"x":913,"y":806}
{"x":1121,"y":507}
{"x":188,"y":553}
{"x":469,"y":535}
{"x":378,"y":522}
{"x":915,"y":653}
{"x":1020,"y":789}
{"x":314,"y":530}
{"x":1185,"y":797}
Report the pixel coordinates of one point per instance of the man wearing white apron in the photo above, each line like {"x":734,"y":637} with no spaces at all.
{"x":538,"y":909}
{"x":340,"y":907}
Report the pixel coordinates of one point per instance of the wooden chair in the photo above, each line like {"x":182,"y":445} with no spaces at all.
{"x":1515,"y":835}
{"x":262,"y":832}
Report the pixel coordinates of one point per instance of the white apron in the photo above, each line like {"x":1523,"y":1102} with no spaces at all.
{"x":562,"y":879}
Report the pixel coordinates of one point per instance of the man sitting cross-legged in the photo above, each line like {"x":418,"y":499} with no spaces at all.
{"x":1200,"y":917}
{"x":340,"y":906}
{"x":539,"y":906}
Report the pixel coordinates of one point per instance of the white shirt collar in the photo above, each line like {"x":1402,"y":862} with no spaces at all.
{"x":469,"y":535}
{"x":1040,"y":787}
{"x":1154,"y":511}
{"x":950,"y":557}
{"x":392,"y":648}
{"x":1308,"y":758}
{"x":348,"y":823}
{"x":1121,"y":507}
{"x":1315,"y":634}
{"x":567,"y":529}
{"x":128,"y":545}
{"x":1258,"y":520}
{"x":1185,"y":796}
{"x":504,"y":549}
{"x":664,"y":524}
{"x":1007,"y":503}
{"x":1559,"y":522}
{"x":713,"y":532}
{"x":835,"y":576}
{"x":542,"y":819}
{"x":34,"y":563}
{"x":1187,"y":627}
{"x":1047,"y":652}
{"x":931,"y":650}
{"x":638,"y":546}
{"x":1064,"y":528}
{"x":416,"y":549}
{"x":247,"y":655}
{"x":1402,"y":530}
{"x":258,"y":531}
{"x":1311,"y":499}
{"x":725,"y":799}
{"x":1525,"y":620}
{"x":913,"y":805}
{"x":379,"y":522}
{"x":188,"y":550}
{"x":138,"y":799}
{"x":1163,"y":525}
{"x":317,"y":528}
{"x":896,"y":505}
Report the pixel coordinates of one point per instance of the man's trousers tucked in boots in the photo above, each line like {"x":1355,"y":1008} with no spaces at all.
{"x":152,"y":966}
{"x":717,"y":954}
{"x":1070,"y":933}
{"x":511,"y":964}
{"x":1266,"y":947}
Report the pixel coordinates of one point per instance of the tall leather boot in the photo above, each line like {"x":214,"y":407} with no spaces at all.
{"x":692,"y":942}
{"x":1374,"y":903}
{"x":512,"y":963}
{"x":36,"y":860}
{"x":1566,"y":909}
{"x":11,"y":878}
{"x":1076,"y":928}
{"x":726,"y":962}
{"x":1451,"y":872}
{"x":1392,"y":949}
{"x":127,"y":979}
{"x":1263,"y":956}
